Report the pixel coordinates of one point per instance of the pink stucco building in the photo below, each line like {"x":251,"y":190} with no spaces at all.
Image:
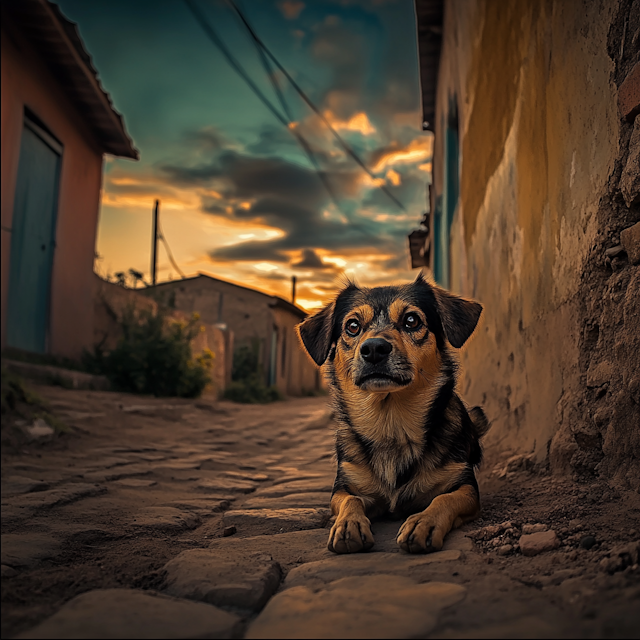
{"x":57,"y":124}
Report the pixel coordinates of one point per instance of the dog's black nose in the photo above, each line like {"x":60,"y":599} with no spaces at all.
{"x":375,"y":350}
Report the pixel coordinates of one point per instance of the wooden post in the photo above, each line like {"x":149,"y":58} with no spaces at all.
{"x":154,"y":246}
{"x":293,"y":289}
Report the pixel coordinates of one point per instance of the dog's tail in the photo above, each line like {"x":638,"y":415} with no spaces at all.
{"x":480,"y":421}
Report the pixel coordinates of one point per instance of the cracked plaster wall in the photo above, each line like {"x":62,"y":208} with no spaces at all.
{"x":539,"y":130}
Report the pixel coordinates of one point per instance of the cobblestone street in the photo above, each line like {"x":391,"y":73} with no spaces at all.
{"x":194,"y":519}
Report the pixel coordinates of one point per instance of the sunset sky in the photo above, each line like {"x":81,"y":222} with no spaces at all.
{"x":240,"y":200}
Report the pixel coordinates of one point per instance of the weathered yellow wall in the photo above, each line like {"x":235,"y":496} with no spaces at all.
{"x":539,"y":136}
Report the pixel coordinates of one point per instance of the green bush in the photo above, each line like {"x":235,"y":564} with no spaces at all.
{"x":154,"y":356}
{"x":251,"y":390}
{"x":248,"y":384}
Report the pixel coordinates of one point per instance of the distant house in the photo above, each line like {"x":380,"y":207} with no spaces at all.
{"x":535,"y":212}
{"x":256,"y":319}
{"x":57,"y":124}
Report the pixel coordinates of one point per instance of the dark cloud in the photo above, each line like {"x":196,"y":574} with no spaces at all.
{"x":208,"y":138}
{"x":284,"y":195}
{"x":311,"y":260}
{"x":271,"y":140}
{"x":370,"y":52}
{"x":411,"y":189}
{"x":348,"y":54}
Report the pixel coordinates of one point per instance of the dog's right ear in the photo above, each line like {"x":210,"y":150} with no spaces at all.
{"x":315,"y":333}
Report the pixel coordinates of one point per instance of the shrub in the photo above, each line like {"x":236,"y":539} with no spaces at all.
{"x":248,"y":385}
{"x":154,"y":356}
{"x":251,"y":390}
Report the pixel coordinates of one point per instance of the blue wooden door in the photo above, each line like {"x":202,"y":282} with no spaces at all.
{"x":33,"y":240}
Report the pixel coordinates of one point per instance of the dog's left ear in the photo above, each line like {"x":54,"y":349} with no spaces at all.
{"x":315,"y":333}
{"x":459,"y":316}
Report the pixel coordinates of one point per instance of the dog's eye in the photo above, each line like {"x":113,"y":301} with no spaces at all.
{"x":412,"y":321}
{"x":353,"y":327}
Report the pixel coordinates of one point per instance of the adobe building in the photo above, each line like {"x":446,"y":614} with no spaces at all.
{"x":57,"y":124}
{"x":254,"y":318}
{"x":534,"y":211}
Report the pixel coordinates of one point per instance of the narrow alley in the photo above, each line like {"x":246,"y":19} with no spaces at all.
{"x":194,"y":519}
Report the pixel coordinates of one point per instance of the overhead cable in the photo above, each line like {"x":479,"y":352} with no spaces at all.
{"x":296,"y":134}
{"x":217,"y":41}
{"x":311,"y":105}
{"x":168,"y":250}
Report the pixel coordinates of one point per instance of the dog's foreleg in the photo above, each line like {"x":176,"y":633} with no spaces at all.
{"x":425,"y":531}
{"x":351,"y":531}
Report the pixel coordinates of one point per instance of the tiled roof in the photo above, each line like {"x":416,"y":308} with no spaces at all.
{"x":57,"y":40}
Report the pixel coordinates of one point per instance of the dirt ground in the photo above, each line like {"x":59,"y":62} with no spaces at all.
{"x":236,"y":497}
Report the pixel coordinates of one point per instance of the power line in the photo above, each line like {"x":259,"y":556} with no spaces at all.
{"x":217,"y":41}
{"x":311,"y":105}
{"x":213,"y":36}
{"x":296,"y":134}
{"x":168,"y":250}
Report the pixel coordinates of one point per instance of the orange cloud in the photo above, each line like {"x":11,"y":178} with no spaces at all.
{"x":359,"y":122}
{"x":417,"y":150}
{"x":394,"y":178}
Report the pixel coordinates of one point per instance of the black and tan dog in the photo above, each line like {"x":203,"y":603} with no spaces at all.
{"x":406,"y":445}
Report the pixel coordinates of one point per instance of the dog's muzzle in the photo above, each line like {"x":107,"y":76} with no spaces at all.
{"x":377,"y":372}
{"x":375,"y":350}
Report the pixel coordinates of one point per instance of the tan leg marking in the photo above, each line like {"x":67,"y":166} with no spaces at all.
{"x":351,"y":531}
{"x":425,"y":531}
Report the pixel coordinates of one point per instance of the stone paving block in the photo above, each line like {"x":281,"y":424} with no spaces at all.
{"x":127,"y":613}
{"x":377,"y":606}
{"x":151,"y":457}
{"x":245,"y":475}
{"x":135,"y":482}
{"x":222,"y":485}
{"x":99,"y":463}
{"x":316,"y":574}
{"x":277,"y":520}
{"x":285,"y":548}
{"x":206,"y":507}
{"x":54,"y":497}
{"x":296,"y":500}
{"x":118,"y":472}
{"x":307,"y":485}
{"x":173,"y":465}
{"x":16,"y":485}
{"x":166,"y":519}
{"x":246,"y":581}
{"x":27,"y":549}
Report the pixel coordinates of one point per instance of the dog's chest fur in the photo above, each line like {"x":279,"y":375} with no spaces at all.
{"x":384,"y":444}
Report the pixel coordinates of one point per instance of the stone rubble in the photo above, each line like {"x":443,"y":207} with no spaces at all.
{"x":534,"y":543}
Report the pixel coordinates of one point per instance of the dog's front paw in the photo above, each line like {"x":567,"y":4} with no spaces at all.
{"x":350,"y":535}
{"x":421,"y":533}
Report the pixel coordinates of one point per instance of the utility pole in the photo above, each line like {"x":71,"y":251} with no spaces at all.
{"x":293,"y":289}
{"x":154,"y":246}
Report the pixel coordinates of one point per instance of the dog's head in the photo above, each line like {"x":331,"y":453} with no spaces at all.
{"x":381,"y":339}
